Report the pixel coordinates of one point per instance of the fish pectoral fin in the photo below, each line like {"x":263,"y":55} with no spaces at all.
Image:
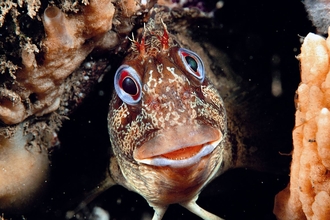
{"x":159,"y":211}
{"x":103,"y":186}
{"x":197,"y":210}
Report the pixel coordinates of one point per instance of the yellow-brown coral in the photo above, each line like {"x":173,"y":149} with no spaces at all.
{"x":38,"y":84}
{"x":307,"y":195}
{"x":23,"y":168}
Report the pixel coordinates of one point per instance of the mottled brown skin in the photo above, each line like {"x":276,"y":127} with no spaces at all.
{"x":172,"y":99}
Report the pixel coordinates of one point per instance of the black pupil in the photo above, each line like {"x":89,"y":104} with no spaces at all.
{"x":129,"y":86}
{"x":192,"y":63}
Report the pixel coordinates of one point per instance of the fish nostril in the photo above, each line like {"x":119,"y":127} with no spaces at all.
{"x":186,"y":95}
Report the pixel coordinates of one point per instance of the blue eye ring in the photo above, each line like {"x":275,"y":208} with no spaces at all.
{"x":192,"y":63}
{"x":129,"y":93}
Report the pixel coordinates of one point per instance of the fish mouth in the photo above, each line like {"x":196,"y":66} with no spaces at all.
{"x":179,"y":146}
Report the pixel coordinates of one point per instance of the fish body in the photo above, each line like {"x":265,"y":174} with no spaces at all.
{"x":167,"y":123}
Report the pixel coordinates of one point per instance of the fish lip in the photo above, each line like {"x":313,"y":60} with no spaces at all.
{"x":206,"y":150}
{"x":168,"y":141}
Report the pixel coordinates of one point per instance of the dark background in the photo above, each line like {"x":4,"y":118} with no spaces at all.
{"x":260,"y":38}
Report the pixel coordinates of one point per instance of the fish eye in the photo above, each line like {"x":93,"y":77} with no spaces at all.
{"x":128,"y":85}
{"x":192,"y":63}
